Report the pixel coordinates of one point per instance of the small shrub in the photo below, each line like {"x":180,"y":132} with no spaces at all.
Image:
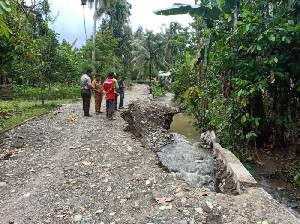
{"x":158,"y":91}
{"x":58,"y":91}
{"x":292,"y":173}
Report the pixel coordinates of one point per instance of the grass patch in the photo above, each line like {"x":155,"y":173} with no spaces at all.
{"x":13,"y":113}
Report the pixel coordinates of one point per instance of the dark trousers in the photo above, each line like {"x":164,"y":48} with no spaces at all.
{"x":116,"y":101}
{"x":86,"y":100}
{"x":121,"y":99}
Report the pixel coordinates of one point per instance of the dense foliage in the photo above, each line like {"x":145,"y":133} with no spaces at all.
{"x":39,"y":67}
{"x":245,"y":82}
{"x":236,"y":68}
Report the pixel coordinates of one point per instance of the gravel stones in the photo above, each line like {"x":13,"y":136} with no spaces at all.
{"x":77,"y":218}
{"x":64,"y":190}
{"x":3,"y":184}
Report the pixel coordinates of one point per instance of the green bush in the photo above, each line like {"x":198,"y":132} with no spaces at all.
{"x":8,"y":108}
{"x":158,"y":91}
{"x":292,"y":173}
{"x":58,"y":91}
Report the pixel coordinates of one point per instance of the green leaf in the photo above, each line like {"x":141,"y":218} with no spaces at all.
{"x":4,"y":6}
{"x":286,"y":40}
{"x":265,"y":222}
{"x":280,"y":75}
{"x":260,"y":37}
{"x":258,"y":47}
{"x":247,"y":27}
{"x":271,"y":37}
{"x":243,"y":120}
{"x":291,"y":22}
{"x":241,"y":47}
{"x":226,"y":5}
{"x":275,"y":59}
{"x":251,"y":135}
{"x":240,"y":92}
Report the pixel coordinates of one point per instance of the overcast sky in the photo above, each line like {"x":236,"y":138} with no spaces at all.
{"x":69,"y":23}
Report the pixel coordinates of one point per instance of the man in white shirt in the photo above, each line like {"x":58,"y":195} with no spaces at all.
{"x":86,"y":93}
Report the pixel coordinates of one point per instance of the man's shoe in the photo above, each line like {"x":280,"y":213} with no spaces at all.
{"x":88,"y":115}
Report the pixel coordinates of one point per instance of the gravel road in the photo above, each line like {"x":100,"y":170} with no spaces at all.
{"x":66,"y":168}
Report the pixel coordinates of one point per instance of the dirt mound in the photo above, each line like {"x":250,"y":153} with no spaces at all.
{"x":149,"y":121}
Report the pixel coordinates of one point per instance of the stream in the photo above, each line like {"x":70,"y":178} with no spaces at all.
{"x":183,"y":156}
{"x":196,"y":166}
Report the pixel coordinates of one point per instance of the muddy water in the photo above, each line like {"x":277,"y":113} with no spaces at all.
{"x":183,"y":157}
{"x":182,"y":122}
{"x":195,"y":165}
{"x":183,"y":125}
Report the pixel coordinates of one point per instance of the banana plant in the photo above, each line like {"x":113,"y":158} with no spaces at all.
{"x":194,"y":10}
{"x":217,"y":8}
{"x":209,"y":14}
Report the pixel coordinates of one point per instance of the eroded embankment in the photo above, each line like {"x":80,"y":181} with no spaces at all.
{"x":149,"y":122}
{"x":239,"y":199}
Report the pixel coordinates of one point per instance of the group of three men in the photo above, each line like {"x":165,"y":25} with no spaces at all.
{"x":111,"y":88}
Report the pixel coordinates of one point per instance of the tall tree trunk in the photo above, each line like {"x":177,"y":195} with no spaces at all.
{"x":94,"y":31}
{"x":49,"y":91}
{"x":235,"y":18}
{"x":257,"y":110}
{"x":150,"y":73}
{"x":41,"y":89}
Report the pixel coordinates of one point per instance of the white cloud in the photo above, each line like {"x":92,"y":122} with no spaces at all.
{"x":70,"y":22}
{"x":142,"y":13}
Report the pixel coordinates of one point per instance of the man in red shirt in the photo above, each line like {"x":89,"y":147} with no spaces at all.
{"x":108,"y":88}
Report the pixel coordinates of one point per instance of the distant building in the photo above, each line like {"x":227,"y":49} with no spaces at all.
{"x":166,"y":76}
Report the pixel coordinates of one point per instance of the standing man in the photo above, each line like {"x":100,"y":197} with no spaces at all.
{"x":116,"y":90}
{"x":86,"y":87}
{"x":108,"y":88}
{"x":121,"y":92}
{"x":98,"y":93}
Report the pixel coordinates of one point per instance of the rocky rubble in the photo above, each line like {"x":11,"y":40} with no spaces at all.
{"x":149,"y":122}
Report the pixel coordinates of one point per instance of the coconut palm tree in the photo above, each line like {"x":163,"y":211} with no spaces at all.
{"x":100,"y":7}
{"x":148,"y":54}
{"x":119,"y":13}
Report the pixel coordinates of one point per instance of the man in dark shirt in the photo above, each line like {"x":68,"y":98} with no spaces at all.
{"x":121,"y":92}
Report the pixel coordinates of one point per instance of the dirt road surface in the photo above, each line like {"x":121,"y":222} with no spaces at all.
{"x":66,"y":168}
